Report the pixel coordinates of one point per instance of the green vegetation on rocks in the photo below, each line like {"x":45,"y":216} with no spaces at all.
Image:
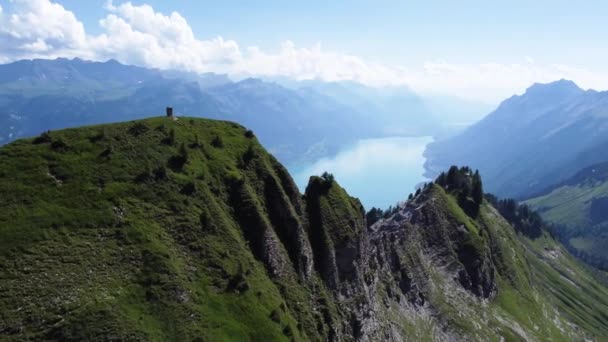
{"x":189,"y":230}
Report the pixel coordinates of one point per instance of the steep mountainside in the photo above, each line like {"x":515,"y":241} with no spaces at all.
{"x":530,"y":141}
{"x":188,"y":230}
{"x":579,"y":209}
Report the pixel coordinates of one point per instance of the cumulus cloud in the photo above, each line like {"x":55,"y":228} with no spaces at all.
{"x":311,"y":63}
{"x":42,"y":21}
{"x":137,"y":34}
{"x":131,"y":34}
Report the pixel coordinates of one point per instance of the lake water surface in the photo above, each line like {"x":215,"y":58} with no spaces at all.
{"x":380,"y":172}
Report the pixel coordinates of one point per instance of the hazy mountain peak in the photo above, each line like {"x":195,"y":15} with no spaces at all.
{"x":560,"y":87}
{"x":251,"y":80}
{"x":113,"y":61}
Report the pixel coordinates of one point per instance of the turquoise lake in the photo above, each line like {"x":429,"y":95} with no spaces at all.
{"x":380,"y":172}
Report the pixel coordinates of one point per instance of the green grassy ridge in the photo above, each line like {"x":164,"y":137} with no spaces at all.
{"x":336,"y":231}
{"x":180,"y":266}
{"x":531,"y":281}
{"x":343,"y":222}
{"x":466,"y":316}
{"x":188,"y":230}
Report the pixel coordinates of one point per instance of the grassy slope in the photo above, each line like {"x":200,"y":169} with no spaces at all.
{"x":541,"y":287}
{"x":569,"y":206}
{"x":91,"y":236}
{"x":337,"y":212}
{"x":96,"y":242}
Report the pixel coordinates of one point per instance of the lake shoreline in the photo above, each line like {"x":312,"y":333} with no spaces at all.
{"x":379,"y":171}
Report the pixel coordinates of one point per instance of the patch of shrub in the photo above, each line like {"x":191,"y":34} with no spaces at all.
{"x":59,"y":146}
{"x":160,"y":173}
{"x":107,"y":152}
{"x":138,"y":129}
{"x":101,"y":135}
{"x":217,"y":142}
{"x":328,"y":179}
{"x":58,"y":172}
{"x":189,"y":189}
{"x":44,"y":138}
{"x":248,"y":155}
{"x":170,"y":139}
{"x":238,"y":284}
{"x":287,"y":331}
{"x":275,"y":316}
{"x":176,"y":163}
{"x":145,"y":176}
{"x":196,"y":143}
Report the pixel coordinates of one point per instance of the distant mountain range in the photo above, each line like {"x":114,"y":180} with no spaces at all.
{"x":531,"y":141}
{"x":398,"y":110}
{"x":298,"y":122}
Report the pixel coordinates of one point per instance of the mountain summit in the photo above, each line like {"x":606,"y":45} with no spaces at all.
{"x":560,"y":88}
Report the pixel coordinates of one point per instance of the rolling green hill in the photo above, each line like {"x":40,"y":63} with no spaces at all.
{"x":189,"y":230}
{"x":579,"y":208}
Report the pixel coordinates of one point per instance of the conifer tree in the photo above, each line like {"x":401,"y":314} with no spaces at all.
{"x":477,"y":188}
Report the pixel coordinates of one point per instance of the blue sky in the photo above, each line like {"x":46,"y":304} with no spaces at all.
{"x":396,"y":31}
{"x":462,"y":47}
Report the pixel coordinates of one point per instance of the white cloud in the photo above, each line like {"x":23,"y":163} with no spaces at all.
{"x":40,"y":28}
{"x":131,"y":34}
{"x":315,"y":62}
{"x":44,"y":20}
{"x":38,"y":46}
{"x":137,"y":34}
{"x":494,"y":81}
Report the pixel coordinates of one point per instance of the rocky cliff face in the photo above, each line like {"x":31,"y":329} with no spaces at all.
{"x":386,"y":268}
{"x":186,"y":230}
